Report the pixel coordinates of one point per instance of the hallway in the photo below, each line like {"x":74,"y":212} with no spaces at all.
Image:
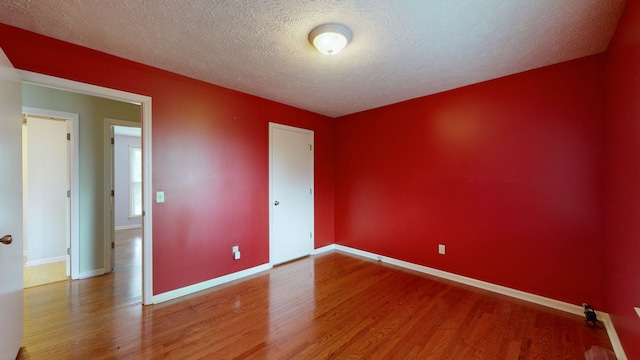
{"x":71,"y":308}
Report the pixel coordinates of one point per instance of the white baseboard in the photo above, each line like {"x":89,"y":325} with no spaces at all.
{"x":127,"y":227}
{"x":613,"y":335}
{"x":92,"y":273}
{"x":518,"y":294}
{"x":170,"y":295}
{"x":323,"y":249}
{"x":45,"y":261}
{"x":173,"y":294}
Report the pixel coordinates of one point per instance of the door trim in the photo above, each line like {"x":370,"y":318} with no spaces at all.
{"x":145,"y":103}
{"x":74,"y":180}
{"x":109,"y":207}
{"x":273,"y":126}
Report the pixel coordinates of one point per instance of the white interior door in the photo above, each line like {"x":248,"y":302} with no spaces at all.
{"x":11,"y":301}
{"x":291,"y":195}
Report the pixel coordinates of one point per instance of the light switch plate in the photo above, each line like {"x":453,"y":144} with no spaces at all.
{"x":160,"y":196}
{"x":441,"y":249}
{"x":637,"y":310}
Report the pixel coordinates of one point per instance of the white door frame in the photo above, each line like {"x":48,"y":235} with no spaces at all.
{"x":74,"y":164}
{"x":109,"y":205}
{"x":145,"y":103}
{"x":273,"y":126}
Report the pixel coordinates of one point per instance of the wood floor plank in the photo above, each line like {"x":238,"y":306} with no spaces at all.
{"x":330,"y":306}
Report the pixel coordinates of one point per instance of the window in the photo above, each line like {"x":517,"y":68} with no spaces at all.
{"x":135,"y":181}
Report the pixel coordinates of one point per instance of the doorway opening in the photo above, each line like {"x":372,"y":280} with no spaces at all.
{"x":145,"y":115}
{"x":50,"y":224}
{"x":123,"y":201}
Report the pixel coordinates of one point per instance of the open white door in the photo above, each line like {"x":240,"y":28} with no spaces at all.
{"x":11,"y":301}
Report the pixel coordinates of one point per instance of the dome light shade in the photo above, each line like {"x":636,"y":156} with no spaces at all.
{"x":330,"y":39}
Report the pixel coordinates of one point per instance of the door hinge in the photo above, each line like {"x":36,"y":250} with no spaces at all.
{"x":68,"y":136}
{"x":113,"y":193}
{"x":68,"y":193}
{"x":68,"y":251}
{"x":310,"y":147}
{"x":310,"y":191}
{"x":113,"y":141}
{"x":113,"y":245}
{"x":310,"y":235}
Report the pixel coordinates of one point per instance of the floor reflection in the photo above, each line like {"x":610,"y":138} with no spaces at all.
{"x":291,"y":303}
{"x":331,"y":305}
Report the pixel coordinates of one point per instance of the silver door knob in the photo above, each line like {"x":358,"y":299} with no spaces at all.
{"x":7,"y":239}
{"x":276,"y":203}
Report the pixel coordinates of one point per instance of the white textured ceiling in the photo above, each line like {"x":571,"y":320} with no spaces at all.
{"x":400,"y":49}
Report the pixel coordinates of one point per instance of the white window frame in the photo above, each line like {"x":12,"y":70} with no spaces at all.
{"x":132,"y":181}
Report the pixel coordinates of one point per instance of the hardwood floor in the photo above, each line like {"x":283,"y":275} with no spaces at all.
{"x":331,"y":306}
{"x":44,"y":274}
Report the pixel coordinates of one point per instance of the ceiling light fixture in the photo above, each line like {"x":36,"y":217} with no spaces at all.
{"x":330,"y":39}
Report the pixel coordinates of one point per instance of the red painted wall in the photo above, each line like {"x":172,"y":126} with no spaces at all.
{"x":623,"y":180}
{"x":210,"y":157}
{"x":508,"y":174}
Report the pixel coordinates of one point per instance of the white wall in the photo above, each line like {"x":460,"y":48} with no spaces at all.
{"x":47,"y":181}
